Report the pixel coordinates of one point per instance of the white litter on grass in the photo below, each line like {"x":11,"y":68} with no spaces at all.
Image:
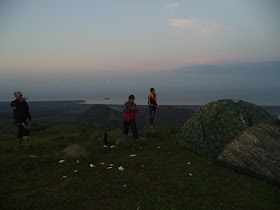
{"x":77,"y":161}
{"x":102,"y":163}
{"x":110,"y":167}
{"x":75,"y":171}
{"x":190,"y":174}
{"x":121,"y":168}
{"x":92,"y":166}
{"x":188,"y":163}
{"x":132,"y":155}
{"x":124,"y":185}
{"x":158,"y":147}
{"x":111,"y":164}
{"x":113,"y":146}
{"x":64,"y":177}
{"x":61,"y":161}
{"x":105,"y":146}
{"x":33,"y":156}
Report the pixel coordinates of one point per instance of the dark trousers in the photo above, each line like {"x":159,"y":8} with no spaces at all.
{"x":152,"y":110}
{"x":132,"y":124}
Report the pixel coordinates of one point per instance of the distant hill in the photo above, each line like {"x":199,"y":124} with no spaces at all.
{"x":111,"y":116}
{"x":101,"y":115}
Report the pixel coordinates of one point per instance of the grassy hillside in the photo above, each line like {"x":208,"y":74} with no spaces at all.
{"x":161,"y":176}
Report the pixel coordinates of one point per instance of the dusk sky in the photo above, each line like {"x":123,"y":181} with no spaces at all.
{"x":99,"y":37}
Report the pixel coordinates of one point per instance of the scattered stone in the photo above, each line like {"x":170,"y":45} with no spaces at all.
{"x":61,"y":161}
{"x":102,"y":163}
{"x":75,"y":150}
{"x":189,"y":163}
{"x":64,"y":177}
{"x":124,"y":185}
{"x":92,"y":166}
{"x":190,"y":174}
{"x":132,"y":155}
{"x":111,"y":164}
{"x":33,"y":156}
{"x":105,"y":146}
{"x":77,"y":161}
{"x":121,"y":168}
{"x":75,"y":171}
{"x":110,"y":167}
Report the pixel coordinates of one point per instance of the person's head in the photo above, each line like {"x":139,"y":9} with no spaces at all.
{"x":131,"y":98}
{"x":18,"y":95}
{"x":152,"y":90}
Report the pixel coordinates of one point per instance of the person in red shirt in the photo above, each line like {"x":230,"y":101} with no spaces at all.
{"x":152,"y":101}
{"x":129,"y":116}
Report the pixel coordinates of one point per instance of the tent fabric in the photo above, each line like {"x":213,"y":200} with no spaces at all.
{"x":215,"y":124}
{"x":256,"y":149}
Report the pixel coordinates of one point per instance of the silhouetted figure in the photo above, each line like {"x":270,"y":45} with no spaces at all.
{"x":21,"y":114}
{"x":152,"y":101}
{"x":129,"y":116}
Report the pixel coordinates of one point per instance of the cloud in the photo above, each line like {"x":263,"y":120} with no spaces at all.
{"x":171,"y":6}
{"x":197,"y":24}
{"x":183,"y":23}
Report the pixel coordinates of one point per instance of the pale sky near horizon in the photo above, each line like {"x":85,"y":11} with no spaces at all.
{"x":129,"y":35}
{"x":91,"y":49}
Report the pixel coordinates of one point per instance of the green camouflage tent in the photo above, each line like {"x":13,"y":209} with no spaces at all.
{"x":215,"y":124}
{"x":256,"y":151}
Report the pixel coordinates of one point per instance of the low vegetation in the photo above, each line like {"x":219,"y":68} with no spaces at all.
{"x":162,"y":175}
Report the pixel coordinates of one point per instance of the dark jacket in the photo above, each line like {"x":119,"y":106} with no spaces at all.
{"x":21,"y":113}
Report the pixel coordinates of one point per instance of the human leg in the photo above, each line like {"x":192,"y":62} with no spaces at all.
{"x":134,"y":129}
{"x":152,"y":115}
{"x":125,"y":127}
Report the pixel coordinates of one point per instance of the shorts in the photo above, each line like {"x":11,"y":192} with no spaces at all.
{"x":22,"y":132}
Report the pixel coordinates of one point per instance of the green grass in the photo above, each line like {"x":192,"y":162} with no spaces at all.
{"x":157,"y":178}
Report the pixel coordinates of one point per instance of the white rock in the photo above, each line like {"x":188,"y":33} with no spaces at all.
{"x":158,"y":147}
{"x":64,"y":177}
{"x":124,"y":185}
{"x":111,"y":164}
{"x":33,"y":156}
{"x":189,"y":163}
{"x":92,"y":166}
{"x":105,"y":146}
{"x":75,"y":171}
{"x":132,"y":155}
{"x":142,"y":165}
{"x":77,"y":161}
{"x":102,"y":163}
{"x":121,"y":168}
{"x":190,"y":174}
{"x":113,"y":146}
{"x":61,"y":161}
{"x":110,"y":167}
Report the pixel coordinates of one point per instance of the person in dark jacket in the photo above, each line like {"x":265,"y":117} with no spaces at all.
{"x":152,"y":101}
{"x":129,"y":116}
{"x":21,"y":115}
